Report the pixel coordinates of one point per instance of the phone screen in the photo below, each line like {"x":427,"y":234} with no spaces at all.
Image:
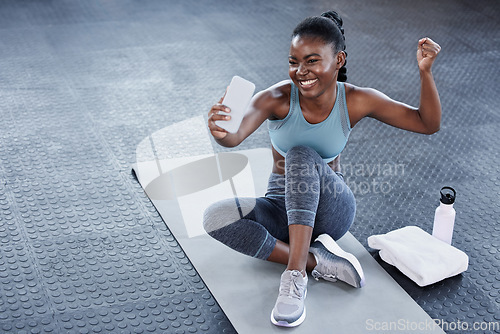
{"x":237,"y":98}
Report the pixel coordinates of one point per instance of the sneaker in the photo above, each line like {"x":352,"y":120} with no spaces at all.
{"x":289,"y":310}
{"x":335,"y":264}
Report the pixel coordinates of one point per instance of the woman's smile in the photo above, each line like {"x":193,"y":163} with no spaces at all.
{"x":307,"y":84}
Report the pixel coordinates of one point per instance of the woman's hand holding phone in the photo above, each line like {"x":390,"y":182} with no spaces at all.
{"x":235,"y":100}
{"x":214,"y":115}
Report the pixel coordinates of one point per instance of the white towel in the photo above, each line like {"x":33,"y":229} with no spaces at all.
{"x":418,"y":255}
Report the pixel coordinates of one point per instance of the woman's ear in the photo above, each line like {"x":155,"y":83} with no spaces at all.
{"x":340,"y":57}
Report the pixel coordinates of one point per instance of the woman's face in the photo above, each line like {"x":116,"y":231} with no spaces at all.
{"x":313,"y":65}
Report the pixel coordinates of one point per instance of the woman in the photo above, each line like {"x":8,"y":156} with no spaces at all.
{"x":310,"y":117}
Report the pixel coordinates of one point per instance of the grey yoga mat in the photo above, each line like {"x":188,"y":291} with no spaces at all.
{"x":181,"y":184}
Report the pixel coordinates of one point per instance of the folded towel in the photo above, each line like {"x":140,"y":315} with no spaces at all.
{"x":419,"y":255}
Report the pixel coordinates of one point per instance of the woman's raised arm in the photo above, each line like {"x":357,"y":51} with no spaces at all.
{"x":426,"y":119}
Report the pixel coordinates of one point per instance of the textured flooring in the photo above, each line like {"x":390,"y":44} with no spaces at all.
{"x":82,"y":249}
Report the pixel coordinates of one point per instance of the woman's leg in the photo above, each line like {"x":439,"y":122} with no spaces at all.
{"x":316,"y":199}
{"x":298,"y":234}
{"x":250,"y":226}
{"x":334,"y":207}
{"x":320,"y":207}
{"x":317,"y":202}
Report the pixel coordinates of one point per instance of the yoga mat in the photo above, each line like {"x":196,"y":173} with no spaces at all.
{"x":181,"y":187}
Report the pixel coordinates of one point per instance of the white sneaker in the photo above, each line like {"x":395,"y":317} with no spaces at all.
{"x":334,"y":264}
{"x":289,"y":310}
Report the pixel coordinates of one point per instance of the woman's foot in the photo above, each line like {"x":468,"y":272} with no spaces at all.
{"x":334,"y":264}
{"x":289,"y":310}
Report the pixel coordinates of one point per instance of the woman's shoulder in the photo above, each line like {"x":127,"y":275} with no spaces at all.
{"x":354,"y":92}
{"x":275,"y":98}
{"x":351,"y":89}
{"x":279,"y":91}
{"x":360,"y":101}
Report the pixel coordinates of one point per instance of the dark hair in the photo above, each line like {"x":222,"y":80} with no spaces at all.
{"x":328,"y":27}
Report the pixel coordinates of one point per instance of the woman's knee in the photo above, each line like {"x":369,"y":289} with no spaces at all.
{"x":300,"y":158}
{"x":226,"y":212}
{"x":209,"y":217}
{"x":301,"y":152}
{"x":213,"y":216}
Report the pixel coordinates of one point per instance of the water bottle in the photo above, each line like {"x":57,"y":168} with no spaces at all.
{"x":444,"y":218}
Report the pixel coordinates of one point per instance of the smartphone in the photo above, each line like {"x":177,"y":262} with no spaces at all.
{"x":238,"y":96}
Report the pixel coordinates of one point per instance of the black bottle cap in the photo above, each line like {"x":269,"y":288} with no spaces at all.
{"x":448,"y":195}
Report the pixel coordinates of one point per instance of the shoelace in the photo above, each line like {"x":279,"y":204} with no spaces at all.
{"x":290,"y":287}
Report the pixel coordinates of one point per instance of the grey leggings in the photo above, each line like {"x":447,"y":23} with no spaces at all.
{"x":310,"y":193}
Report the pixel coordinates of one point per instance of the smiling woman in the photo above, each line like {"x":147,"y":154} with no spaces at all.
{"x":308,"y":206}
{"x":324,"y":32}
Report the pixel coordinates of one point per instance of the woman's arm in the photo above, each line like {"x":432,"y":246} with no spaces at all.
{"x":430,"y":105}
{"x":426,"y":119}
{"x":262,"y":106}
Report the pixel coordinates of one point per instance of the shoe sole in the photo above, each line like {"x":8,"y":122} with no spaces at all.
{"x":332,"y":246}
{"x":283,"y":323}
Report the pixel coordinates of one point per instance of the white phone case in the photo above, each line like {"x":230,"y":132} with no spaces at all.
{"x":238,"y":96}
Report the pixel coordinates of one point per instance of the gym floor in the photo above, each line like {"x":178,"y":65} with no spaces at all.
{"x":83,"y":250}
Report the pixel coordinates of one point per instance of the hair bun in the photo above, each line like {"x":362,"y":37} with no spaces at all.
{"x":335,"y":17}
